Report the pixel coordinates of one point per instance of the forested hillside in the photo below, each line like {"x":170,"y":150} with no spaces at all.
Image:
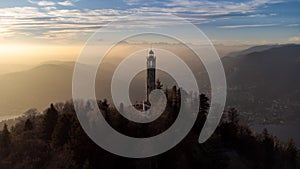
{"x":55,"y":140}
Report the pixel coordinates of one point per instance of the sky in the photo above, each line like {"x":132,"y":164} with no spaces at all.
{"x":57,"y":29}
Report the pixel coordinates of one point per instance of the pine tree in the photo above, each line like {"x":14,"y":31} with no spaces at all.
{"x":103,"y":105}
{"x":233,"y":116}
{"x":4,"y":141}
{"x":49,"y":122}
{"x":61,"y":131}
{"x":159,"y":85}
{"x":269,"y":148}
{"x":28,"y":125}
{"x":204,"y":104}
{"x":203,"y":110}
{"x":291,"y":152}
{"x":265,"y":134}
{"x":5,"y":137}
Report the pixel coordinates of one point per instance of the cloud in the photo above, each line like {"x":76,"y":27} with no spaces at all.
{"x":132,"y":2}
{"x":257,"y":15}
{"x":42,"y":3}
{"x":293,"y":25}
{"x":49,"y":22}
{"x":65,"y":3}
{"x":49,"y":19}
{"x":220,"y":6}
{"x":46,"y":3}
{"x":245,"y":26}
{"x":201,"y":7}
{"x":295,"y":39}
{"x":142,"y":2}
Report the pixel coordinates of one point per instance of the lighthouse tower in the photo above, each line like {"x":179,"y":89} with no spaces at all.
{"x":151,"y":64}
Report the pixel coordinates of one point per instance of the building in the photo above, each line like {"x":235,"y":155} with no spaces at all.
{"x":151,"y":71}
{"x":172,"y":95}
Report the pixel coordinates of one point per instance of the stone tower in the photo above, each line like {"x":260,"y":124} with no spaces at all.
{"x":151,"y":64}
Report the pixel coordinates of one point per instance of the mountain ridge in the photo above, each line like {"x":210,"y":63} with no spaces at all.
{"x":250,"y":78}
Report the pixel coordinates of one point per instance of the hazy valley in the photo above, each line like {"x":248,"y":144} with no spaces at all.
{"x":262,"y":83}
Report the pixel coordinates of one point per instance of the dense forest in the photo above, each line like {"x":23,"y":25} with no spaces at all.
{"x":54,"y":139}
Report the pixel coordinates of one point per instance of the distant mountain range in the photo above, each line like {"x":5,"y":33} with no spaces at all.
{"x":35,"y":88}
{"x":252,"y":49}
{"x":263,"y":82}
{"x":9,"y":68}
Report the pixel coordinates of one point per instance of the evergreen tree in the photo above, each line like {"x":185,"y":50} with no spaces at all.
{"x":233,"y":116}
{"x":103,"y":105}
{"x":61,"y":131}
{"x":159,"y":85}
{"x":203,"y":110}
{"x":4,"y":141}
{"x":291,"y":152}
{"x":204,"y":104}
{"x":5,"y":137}
{"x":28,"y":125}
{"x":268,"y":143}
{"x":265,"y":134}
{"x":49,"y":122}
